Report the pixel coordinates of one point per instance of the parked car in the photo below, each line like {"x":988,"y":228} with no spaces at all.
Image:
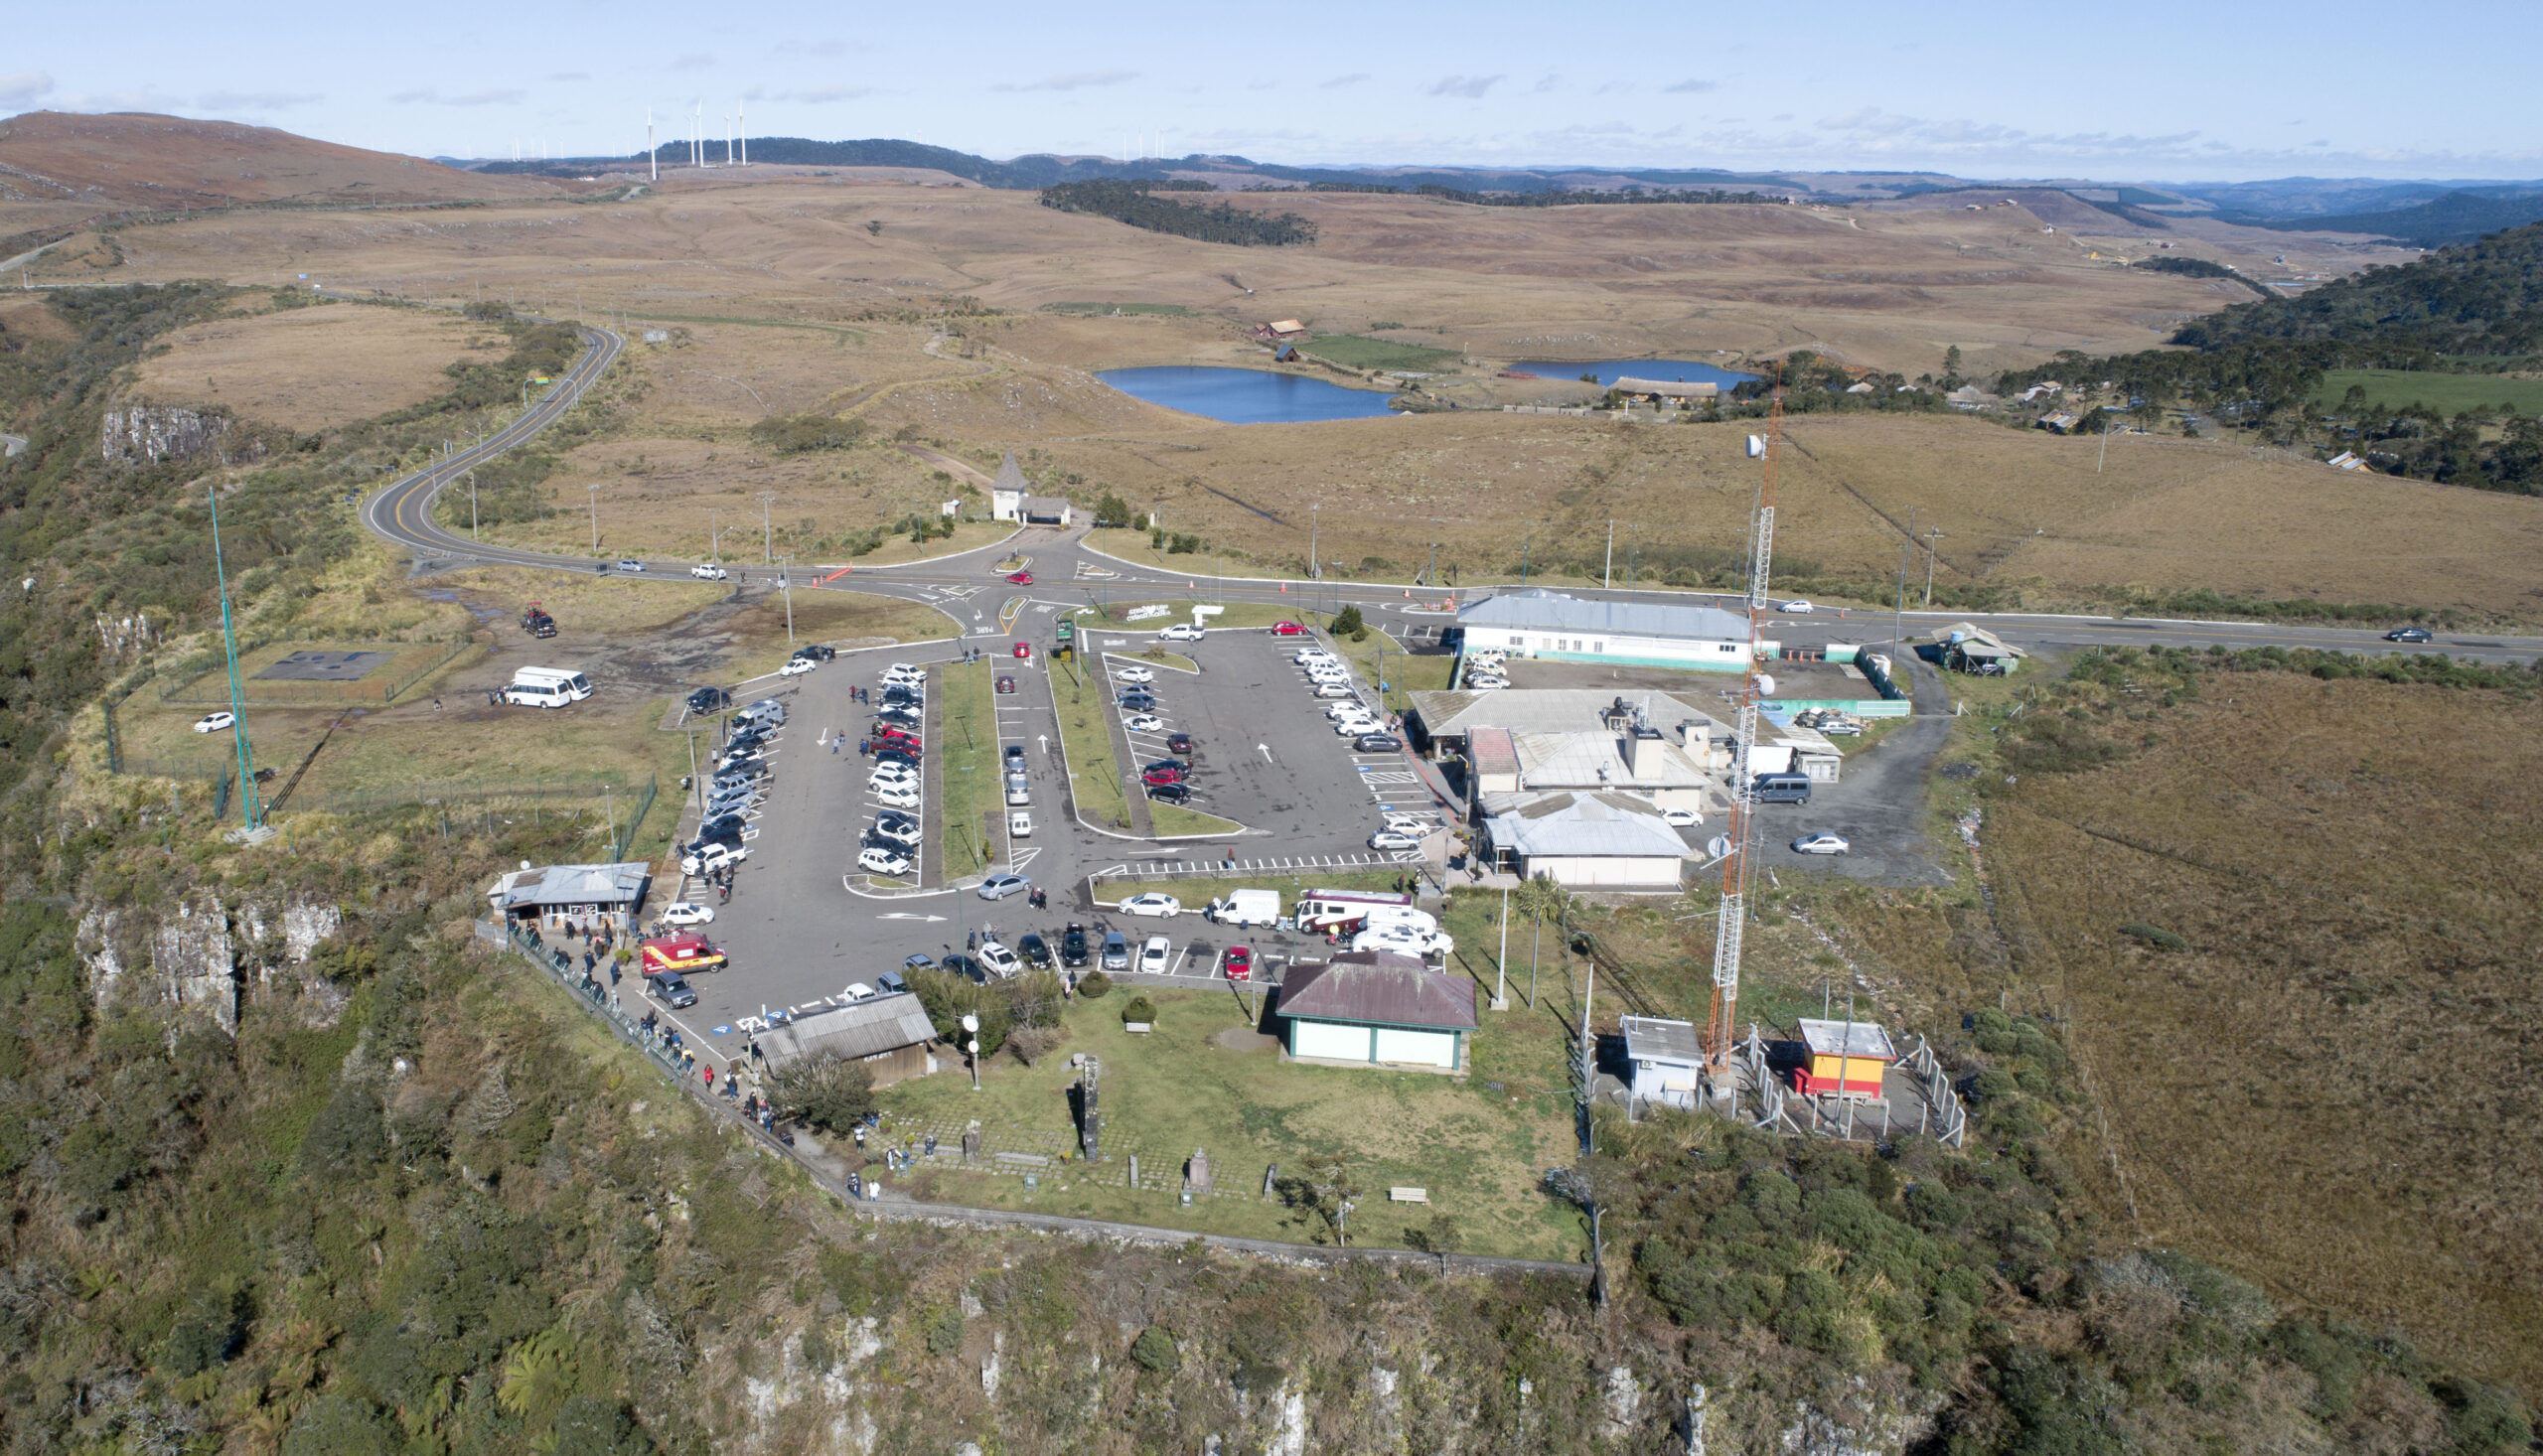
{"x":860,"y":991}
{"x":1392,"y":839}
{"x":1156,"y":777}
{"x":1680,"y":818}
{"x":1238,"y":963}
{"x":897,"y":798}
{"x":920,"y":961}
{"x":1376,"y":743}
{"x":1178,"y":765}
{"x":709,"y":699}
{"x":1331,"y":689}
{"x":717,"y":825}
{"x":687,"y":913}
{"x":1488,"y":684}
{"x":1073,"y":945}
{"x":1019,"y":824}
{"x":712,"y":857}
{"x":1033,"y":951}
{"x":668,"y":988}
{"x":1157,"y":956}
{"x":904,"y":836}
{"x":1287,"y":628}
{"x":796,"y":668}
{"x":216,"y":722}
{"x":1021,"y":578}
{"x":1407,"y":824}
{"x":1006,"y":683}
{"x":1819,"y":844}
{"x":1003,"y":963}
{"x":1143,"y":723}
{"x":877,"y":860}
{"x":1170,"y":792}
{"x":1353,"y":727}
{"x":1134,"y":675}
{"x":1117,"y":951}
{"x":1182,"y":632}
{"x":1154,"y":902}
{"x":708,"y":571}
{"x":817,"y":651}
{"x":898,"y":821}
{"x":896,"y":755}
{"x":1179,"y":745}
{"x":2410,"y":633}
{"x":892,"y":982}
{"x":1014,"y":755}
{"x":998,"y":887}
{"x":964,"y":965}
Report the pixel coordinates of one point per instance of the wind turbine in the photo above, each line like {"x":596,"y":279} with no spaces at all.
{"x":652,"y":161}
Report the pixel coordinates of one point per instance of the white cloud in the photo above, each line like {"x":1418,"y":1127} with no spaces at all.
{"x":19,"y":88}
{"x":1547,"y":82}
{"x":1471,"y":88}
{"x":1690,"y":86}
{"x":1074,"y":80}
{"x":430,"y":98}
{"x":256,"y":100}
{"x":692,"y":61}
{"x":1339,"y":82}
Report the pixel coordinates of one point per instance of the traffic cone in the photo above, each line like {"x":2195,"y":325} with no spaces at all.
{"x":1285,"y":586}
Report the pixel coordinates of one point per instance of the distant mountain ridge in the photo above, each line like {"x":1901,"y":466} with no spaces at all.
{"x":2457,"y":217}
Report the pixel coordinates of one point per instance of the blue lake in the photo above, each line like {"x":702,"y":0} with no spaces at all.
{"x":1246,"y":397}
{"x":1608,"y":370}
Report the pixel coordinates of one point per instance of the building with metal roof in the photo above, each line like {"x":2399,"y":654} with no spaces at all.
{"x":889,"y":1034}
{"x":1555,"y":625}
{"x":1604,"y":840}
{"x":1376,"y":1008}
{"x":575,"y":894}
{"x":1667,"y":1058}
{"x":1445,"y":721}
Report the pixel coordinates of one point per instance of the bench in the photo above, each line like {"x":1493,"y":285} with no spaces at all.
{"x":1407,"y":1195}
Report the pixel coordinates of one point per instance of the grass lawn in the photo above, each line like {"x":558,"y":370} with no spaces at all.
{"x":1204,"y":1080}
{"x":2448,"y":394}
{"x":1085,"y":735}
{"x":1173,"y":820}
{"x":1359,"y":352}
{"x":842,"y":619}
{"x":967,"y":755}
{"x":1406,"y":673}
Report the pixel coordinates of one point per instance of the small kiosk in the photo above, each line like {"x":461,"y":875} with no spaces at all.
{"x":1847,"y":1058}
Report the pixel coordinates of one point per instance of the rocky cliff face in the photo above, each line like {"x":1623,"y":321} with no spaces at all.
{"x":206,"y":957}
{"x":145,"y":434}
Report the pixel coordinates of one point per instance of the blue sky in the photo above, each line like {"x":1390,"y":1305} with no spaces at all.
{"x":2246,"y":92}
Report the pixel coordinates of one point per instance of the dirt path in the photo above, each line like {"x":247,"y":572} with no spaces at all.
{"x":948,"y":463}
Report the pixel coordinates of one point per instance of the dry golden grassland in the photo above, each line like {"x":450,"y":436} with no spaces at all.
{"x":311,"y":369}
{"x":2329,"y":1088}
{"x":780,"y":301}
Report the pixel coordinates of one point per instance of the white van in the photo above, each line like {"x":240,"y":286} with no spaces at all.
{"x":1246,"y":908}
{"x":547,"y":687}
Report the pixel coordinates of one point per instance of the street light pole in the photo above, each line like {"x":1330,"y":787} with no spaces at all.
{"x":1933,"y":534}
{"x":594,"y":492}
{"x":971,"y":1045}
{"x":1315,"y":567}
{"x":786,"y":589}
{"x":767,"y":540}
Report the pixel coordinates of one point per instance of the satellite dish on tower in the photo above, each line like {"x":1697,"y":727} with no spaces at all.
{"x":1765,"y":685}
{"x":1718,"y":847}
{"x":1757,"y":446}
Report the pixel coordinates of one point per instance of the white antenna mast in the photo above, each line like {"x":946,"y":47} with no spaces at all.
{"x":653,"y":159}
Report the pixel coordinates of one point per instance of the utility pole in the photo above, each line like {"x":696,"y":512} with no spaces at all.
{"x":1608,"y":578}
{"x":1430,"y":574}
{"x":1315,"y":568}
{"x":2104,"y":452}
{"x":1524,"y":547}
{"x":472,"y":505}
{"x":594,"y":491}
{"x":1933,"y":534}
{"x":715,"y":540}
{"x":767,"y":541}
{"x":1501,"y":980}
{"x":1907,"y":555}
{"x":787,"y":590}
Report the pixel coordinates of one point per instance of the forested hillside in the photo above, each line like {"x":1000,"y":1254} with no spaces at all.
{"x":1133,"y":203}
{"x":2484,"y":298}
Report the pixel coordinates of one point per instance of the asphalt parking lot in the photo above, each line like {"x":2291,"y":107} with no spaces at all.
{"x":1265,"y":754}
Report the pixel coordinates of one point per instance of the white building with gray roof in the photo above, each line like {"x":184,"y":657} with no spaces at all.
{"x":1563,"y":628}
{"x":1589,"y":841}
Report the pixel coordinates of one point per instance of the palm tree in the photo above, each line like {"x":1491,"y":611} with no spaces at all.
{"x":1541,"y":900}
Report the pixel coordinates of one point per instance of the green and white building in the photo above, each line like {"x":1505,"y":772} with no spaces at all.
{"x":1373,"y":1008}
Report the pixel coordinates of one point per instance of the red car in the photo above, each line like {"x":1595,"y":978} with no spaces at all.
{"x":1157,"y":778}
{"x":901,"y":738}
{"x":1021,"y":578}
{"x":1024,"y":650}
{"x":1287,"y":628}
{"x":1239,"y":963}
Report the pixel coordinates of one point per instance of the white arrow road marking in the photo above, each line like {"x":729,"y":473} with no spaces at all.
{"x":1266,"y":750}
{"x":1044,"y":739}
{"x":904,"y":915}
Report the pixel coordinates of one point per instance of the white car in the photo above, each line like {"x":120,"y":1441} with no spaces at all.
{"x":712,"y":858}
{"x":1798,"y":609}
{"x":1819,"y":844}
{"x":860,"y":992}
{"x":796,"y":668}
{"x":1331,"y":689}
{"x":1132,"y":674}
{"x":708,"y":571}
{"x":630,"y":563}
{"x":1002,"y":962}
{"x":877,"y":860}
{"x":216,"y":722}
{"x":1405,"y":940}
{"x":1154,"y":902}
{"x":1157,"y":956}
{"x":1486,"y":684}
{"x":891,"y":786}
{"x":1311,"y":654}
{"x":1392,"y":839}
{"x":1680,"y":818}
{"x":1181,"y":631}
{"x":895,"y":797}
{"x":904,"y":835}
{"x":687,"y":913}
{"x":1409,"y":823}
{"x":902,"y":674}
{"x":1143,"y":723}
{"x":1354,"y":727}
{"x":1344,"y":710}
